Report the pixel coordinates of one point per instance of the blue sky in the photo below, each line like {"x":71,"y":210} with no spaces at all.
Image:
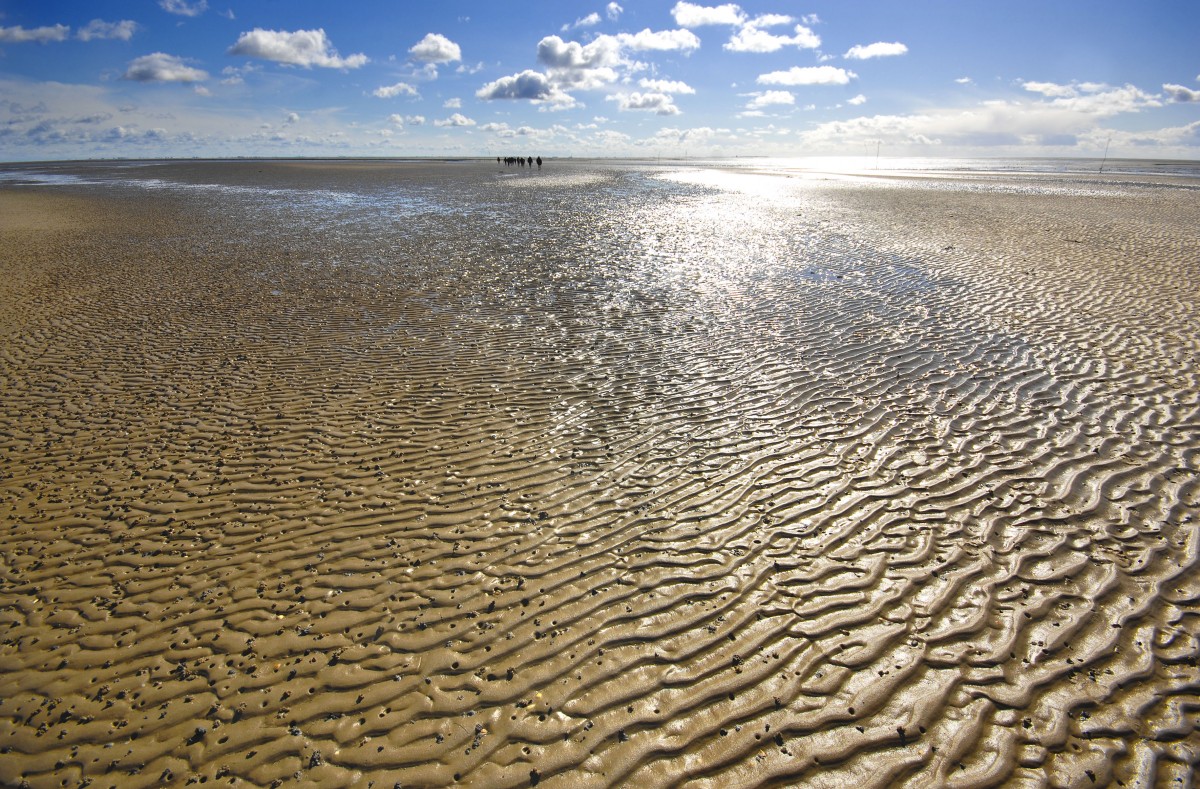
{"x":594,"y":78}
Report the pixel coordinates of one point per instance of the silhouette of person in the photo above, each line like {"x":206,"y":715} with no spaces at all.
{"x":539,"y":161}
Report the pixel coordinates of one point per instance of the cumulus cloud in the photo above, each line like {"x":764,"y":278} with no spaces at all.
{"x":583,"y":21}
{"x":1065,"y":118}
{"x":770,"y":20}
{"x":1050,"y":89}
{"x":160,"y":67}
{"x":879,"y":49}
{"x":691,"y":15}
{"x":1103,"y":101}
{"x":701,"y":135}
{"x":531,"y":85}
{"x":1180,"y":93}
{"x":528,"y":84}
{"x":457,"y":119}
{"x":507,"y":132}
{"x":407,"y":120}
{"x":808,"y":75}
{"x":391,"y":91}
{"x":857,"y":100}
{"x":40,"y":35}
{"x":435,"y":48}
{"x":453,"y":104}
{"x":965,"y":81}
{"x":99,"y":29}
{"x":598,"y":64}
{"x":613,"y":11}
{"x":753,"y":38}
{"x":769,"y":97}
{"x":305,"y":48}
{"x":658,"y":103}
{"x":572,"y":65}
{"x":1093,"y":98}
{"x":555,"y":53}
{"x":183,"y":8}
{"x":666,"y":86}
{"x":662,"y":40}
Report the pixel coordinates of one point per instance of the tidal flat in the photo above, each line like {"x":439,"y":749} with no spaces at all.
{"x":370,"y":473}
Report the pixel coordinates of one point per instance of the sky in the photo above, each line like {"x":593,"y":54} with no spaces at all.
{"x":621,"y":78}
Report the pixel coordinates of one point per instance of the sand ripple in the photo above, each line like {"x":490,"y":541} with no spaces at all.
{"x":628,"y":481}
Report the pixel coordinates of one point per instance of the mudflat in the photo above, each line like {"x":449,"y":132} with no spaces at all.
{"x":384,"y":474}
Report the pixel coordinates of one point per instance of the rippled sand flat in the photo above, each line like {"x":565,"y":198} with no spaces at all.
{"x":370,"y":474}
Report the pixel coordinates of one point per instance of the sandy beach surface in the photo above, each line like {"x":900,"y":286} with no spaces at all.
{"x":398,"y":474}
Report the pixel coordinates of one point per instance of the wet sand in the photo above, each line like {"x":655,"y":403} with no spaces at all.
{"x":599,"y":477}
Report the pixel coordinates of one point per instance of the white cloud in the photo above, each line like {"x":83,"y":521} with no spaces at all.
{"x":435,"y":48}
{"x":584,"y":21}
{"x":808,"y":75}
{"x":770,"y":20}
{"x":1093,"y":98}
{"x":526,"y":85}
{"x":857,"y":100}
{"x":407,"y":120}
{"x":183,"y":8}
{"x":691,"y":15}
{"x":613,"y":11}
{"x":658,"y":103}
{"x":457,"y":119}
{"x":305,"y":48}
{"x":234,"y":75}
{"x":700,"y":135}
{"x":99,"y":29}
{"x":453,"y":104}
{"x":595,"y":65}
{"x":879,"y":49}
{"x":575,"y":66}
{"x":662,"y":40}
{"x":607,"y":138}
{"x":1180,"y":93}
{"x":40,"y":35}
{"x":1103,"y":101}
{"x":531,"y":85}
{"x":292,"y":117}
{"x":391,"y":91}
{"x":769,"y":97}
{"x":666,"y":86}
{"x":965,"y":81}
{"x":753,"y":39}
{"x":1182,"y":137}
{"x":811,"y":19}
{"x":1055,"y":123}
{"x":505,"y":131}
{"x":1050,"y":89}
{"x":604,"y":52}
{"x":160,"y":67}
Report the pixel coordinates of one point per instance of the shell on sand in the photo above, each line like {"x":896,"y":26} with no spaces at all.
{"x":373,"y":473}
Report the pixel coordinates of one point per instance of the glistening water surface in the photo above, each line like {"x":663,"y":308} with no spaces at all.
{"x":366,"y":473}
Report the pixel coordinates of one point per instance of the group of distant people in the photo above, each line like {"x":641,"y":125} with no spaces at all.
{"x":520,"y":161}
